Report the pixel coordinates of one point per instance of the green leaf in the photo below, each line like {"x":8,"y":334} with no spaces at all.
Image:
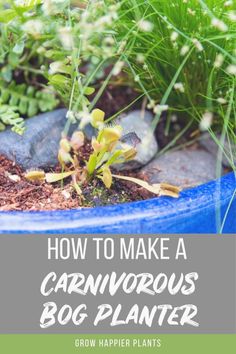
{"x":19,"y":47}
{"x":27,"y":99}
{"x":7,"y":15}
{"x":107,"y":177}
{"x":55,"y":177}
{"x":160,"y":189}
{"x":91,"y":164}
{"x":6,"y":73}
{"x":9,"y":116}
{"x":115,"y":158}
{"x":89,"y":91}
{"x":27,"y":5}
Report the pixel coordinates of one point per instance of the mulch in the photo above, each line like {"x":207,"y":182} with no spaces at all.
{"x":17,"y":193}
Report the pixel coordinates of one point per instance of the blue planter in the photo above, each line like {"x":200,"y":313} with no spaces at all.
{"x":203,"y":209}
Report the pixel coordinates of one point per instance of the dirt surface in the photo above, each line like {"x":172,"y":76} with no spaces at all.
{"x":16,"y":193}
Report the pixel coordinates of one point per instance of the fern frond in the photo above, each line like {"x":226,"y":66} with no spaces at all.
{"x":26,"y":98}
{"x":10,"y":116}
{"x":22,"y":100}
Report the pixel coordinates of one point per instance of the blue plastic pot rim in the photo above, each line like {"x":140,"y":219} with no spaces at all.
{"x":195,"y":211}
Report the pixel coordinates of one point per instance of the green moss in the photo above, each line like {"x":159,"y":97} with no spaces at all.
{"x":100,"y":195}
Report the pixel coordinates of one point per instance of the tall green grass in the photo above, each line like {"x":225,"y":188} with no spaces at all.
{"x":182,"y":53}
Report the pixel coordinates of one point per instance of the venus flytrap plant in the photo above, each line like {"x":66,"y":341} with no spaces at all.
{"x":108,"y":150}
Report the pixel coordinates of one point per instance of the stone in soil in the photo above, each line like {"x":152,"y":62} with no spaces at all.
{"x":183,"y":168}
{"x":38,"y":146}
{"x":139,"y":122}
{"x":230,"y":149}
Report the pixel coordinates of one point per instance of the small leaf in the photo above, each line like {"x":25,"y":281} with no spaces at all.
{"x":110,"y":135}
{"x":170,"y":190}
{"x":161,"y":189}
{"x":129,"y":153}
{"x":91,"y":164}
{"x":97,"y":117}
{"x":19,"y":47}
{"x":35,"y":175}
{"x":115,"y":158}
{"x":55,"y":177}
{"x":7,"y":15}
{"x":107,"y":177}
{"x":89,"y":91}
{"x":76,"y":185}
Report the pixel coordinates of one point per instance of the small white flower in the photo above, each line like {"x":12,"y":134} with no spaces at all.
{"x":179,"y":87}
{"x":41,"y":50}
{"x":197,"y":44}
{"x":84,"y":117}
{"x":174,"y":36}
{"x":184,"y":50}
{"x":174,"y":118}
{"x":66,"y":37}
{"x":206,"y":121}
{"x":70,"y":115}
{"x":50,"y":7}
{"x":109,"y":40}
{"x":228,"y":3}
{"x":33,"y":27}
{"x":55,"y":67}
{"x":151,"y":104}
{"x":221,"y":100}
{"x":218,"y":60}
{"x":122,"y":46}
{"x":232,"y":15}
{"x":118,"y":67}
{"x":145,"y":25}
{"x":231,"y":69}
{"x":140,"y":58}
{"x":159,"y":108}
{"x":136,"y":78}
{"x":191,"y":12}
{"x":220,"y":25}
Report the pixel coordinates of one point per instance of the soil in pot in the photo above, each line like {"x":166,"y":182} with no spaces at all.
{"x":17,"y":193}
{"x":185,"y":168}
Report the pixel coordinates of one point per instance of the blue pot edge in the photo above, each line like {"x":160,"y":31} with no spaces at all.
{"x":191,"y":201}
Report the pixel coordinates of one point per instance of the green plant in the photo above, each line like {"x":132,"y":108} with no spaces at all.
{"x":182,"y":55}
{"x":10,"y":116}
{"x":22,"y":90}
{"x":108,"y":150}
{"x":34,"y":39}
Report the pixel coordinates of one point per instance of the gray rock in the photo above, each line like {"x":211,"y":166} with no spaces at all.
{"x":209,"y":144}
{"x":184,"y":168}
{"x":140,"y":124}
{"x":38,"y":147}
